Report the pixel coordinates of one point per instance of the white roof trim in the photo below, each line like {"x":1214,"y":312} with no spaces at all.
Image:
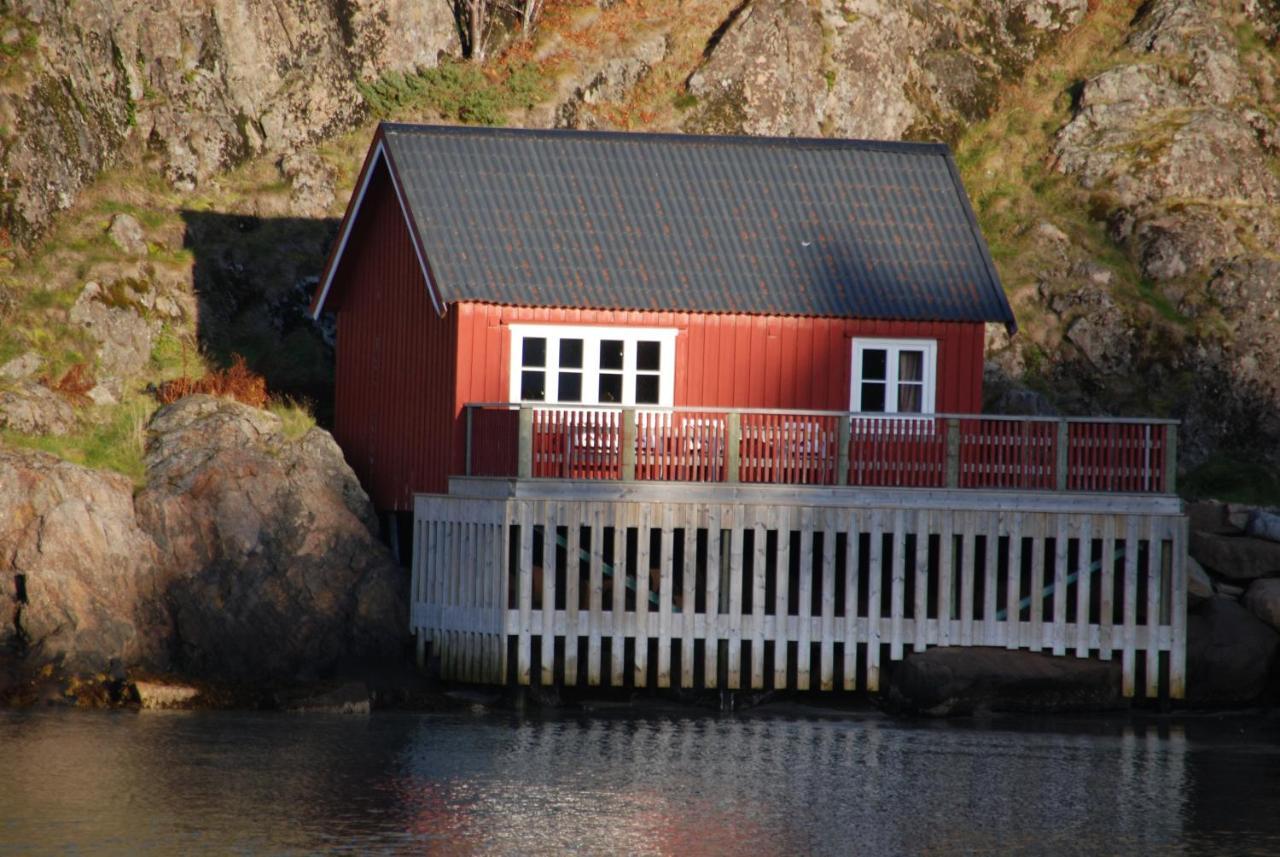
{"x":379,"y":154}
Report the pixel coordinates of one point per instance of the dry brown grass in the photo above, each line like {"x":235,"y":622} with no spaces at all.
{"x":237,"y":382}
{"x":74,"y":384}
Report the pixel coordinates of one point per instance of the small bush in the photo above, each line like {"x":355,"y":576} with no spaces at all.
{"x":238,"y":382}
{"x":458,"y":90}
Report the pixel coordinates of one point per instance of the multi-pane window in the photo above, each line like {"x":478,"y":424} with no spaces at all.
{"x":592,"y":365}
{"x":893,"y":376}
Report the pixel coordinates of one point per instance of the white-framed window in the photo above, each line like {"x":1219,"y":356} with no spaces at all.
{"x":894,"y":376}
{"x":592,"y":364}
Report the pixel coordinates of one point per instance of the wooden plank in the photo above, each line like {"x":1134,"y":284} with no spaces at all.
{"x":1178,"y":613}
{"x":1155,"y":566}
{"x":785,"y":522}
{"x":688,"y":600}
{"x":1129,"y":631}
{"x":1084,"y":584}
{"x":1107,"y":580}
{"x":850,"y":636}
{"x":874,"y":567}
{"x":826,"y":647}
{"x":665,"y":583}
{"x":1057,"y":633}
{"x":1039,"y":532}
{"x":990,"y":582}
{"x":595,"y":594}
{"x":525,"y":584}
{"x":805,"y":629}
{"x":549,"y":525}
{"x":897,"y":583}
{"x":1013,"y":592}
{"x":711,"y":642}
{"x":921,"y":606}
{"x":736,"y":522}
{"x":618,"y":614}
{"x":946,"y":545}
{"x":762,"y":518}
{"x":644,"y":526}
{"x":967,"y":561}
{"x":504,"y":594}
{"x":572,"y":515}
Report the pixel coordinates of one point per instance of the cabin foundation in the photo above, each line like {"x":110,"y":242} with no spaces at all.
{"x":724,"y":586}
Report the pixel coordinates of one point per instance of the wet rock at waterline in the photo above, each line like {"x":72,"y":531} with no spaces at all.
{"x":957,"y":681}
{"x":1229,"y":654}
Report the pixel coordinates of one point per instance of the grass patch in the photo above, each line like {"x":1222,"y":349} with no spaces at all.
{"x":116,"y":443}
{"x":1233,"y":480}
{"x":459,"y":90}
{"x":295,"y":416}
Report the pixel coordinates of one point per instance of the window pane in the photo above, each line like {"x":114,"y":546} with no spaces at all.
{"x":535,"y":352}
{"x":646,"y":389}
{"x":570,"y":389}
{"x":874,"y":363}
{"x":873,"y":396}
{"x":533,"y":385}
{"x":910,"y":398}
{"x":611,"y":354}
{"x":911,"y":366}
{"x":610,"y":388}
{"x":649,"y":356}
{"x":571,"y":353}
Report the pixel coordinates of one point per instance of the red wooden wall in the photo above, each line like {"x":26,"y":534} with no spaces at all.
{"x":726,"y":360}
{"x":394,"y":390}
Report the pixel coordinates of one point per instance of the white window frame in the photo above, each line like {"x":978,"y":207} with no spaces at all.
{"x":894,"y":347}
{"x":592,"y":335}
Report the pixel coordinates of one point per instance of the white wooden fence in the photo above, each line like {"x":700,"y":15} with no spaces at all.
{"x":693,"y":593}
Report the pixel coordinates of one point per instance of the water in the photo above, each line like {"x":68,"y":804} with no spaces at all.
{"x":95,"y":782}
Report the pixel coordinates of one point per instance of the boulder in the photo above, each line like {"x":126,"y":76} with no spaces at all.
{"x":1210,"y":516}
{"x":32,"y":408}
{"x":1264,"y":524}
{"x":274,"y":570}
{"x":1263,"y":600}
{"x":954,"y":681}
{"x":126,"y":233}
{"x":1199,"y":584}
{"x":124,"y":337}
{"x":161,"y":695}
{"x":1236,"y":557}
{"x":23,"y":366}
{"x":80,"y":583}
{"x":1229,"y":654}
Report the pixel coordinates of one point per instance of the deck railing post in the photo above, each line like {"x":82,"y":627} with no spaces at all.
{"x":1171,"y":459}
{"x":524,"y":467}
{"x":733,"y":449}
{"x":1062,"y":462}
{"x":953,"y":452}
{"x":628,"y":432}
{"x":842,"y":454}
{"x":470,"y":412}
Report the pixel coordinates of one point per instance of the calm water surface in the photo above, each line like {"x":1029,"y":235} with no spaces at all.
{"x":95,"y":782}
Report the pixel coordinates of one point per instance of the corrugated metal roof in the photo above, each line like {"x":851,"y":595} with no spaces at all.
{"x":711,"y":224}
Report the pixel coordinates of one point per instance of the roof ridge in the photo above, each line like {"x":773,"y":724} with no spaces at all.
{"x":666,"y":138}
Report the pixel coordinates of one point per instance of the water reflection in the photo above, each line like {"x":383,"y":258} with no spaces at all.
{"x":110,"y":783}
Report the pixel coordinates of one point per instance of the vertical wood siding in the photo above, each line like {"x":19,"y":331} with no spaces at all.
{"x":395,"y":360}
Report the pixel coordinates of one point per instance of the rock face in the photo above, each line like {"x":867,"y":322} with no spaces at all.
{"x":943,"y":681}
{"x":1180,"y":165}
{"x":201,"y":85}
{"x":871,"y":68}
{"x":248,"y":557}
{"x":1229,"y":654}
{"x":80,"y":582}
{"x":273,"y":570}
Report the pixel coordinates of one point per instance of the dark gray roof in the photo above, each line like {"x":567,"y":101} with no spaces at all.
{"x":712,"y":224}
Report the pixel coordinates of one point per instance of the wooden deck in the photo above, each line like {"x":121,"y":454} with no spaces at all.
{"x":702,"y":585}
{"x":822,"y":448}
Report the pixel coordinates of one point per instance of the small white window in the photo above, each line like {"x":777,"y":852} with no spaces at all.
{"x":893,"y":376}
{"x":592,"y":365}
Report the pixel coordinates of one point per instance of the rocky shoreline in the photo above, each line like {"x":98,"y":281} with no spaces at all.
{"x":246,"y":572}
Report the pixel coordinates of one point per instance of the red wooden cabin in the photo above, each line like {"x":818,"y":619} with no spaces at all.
{"x":670,"y":280}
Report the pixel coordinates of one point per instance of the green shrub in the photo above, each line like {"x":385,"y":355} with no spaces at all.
{"x":457,"y":90}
